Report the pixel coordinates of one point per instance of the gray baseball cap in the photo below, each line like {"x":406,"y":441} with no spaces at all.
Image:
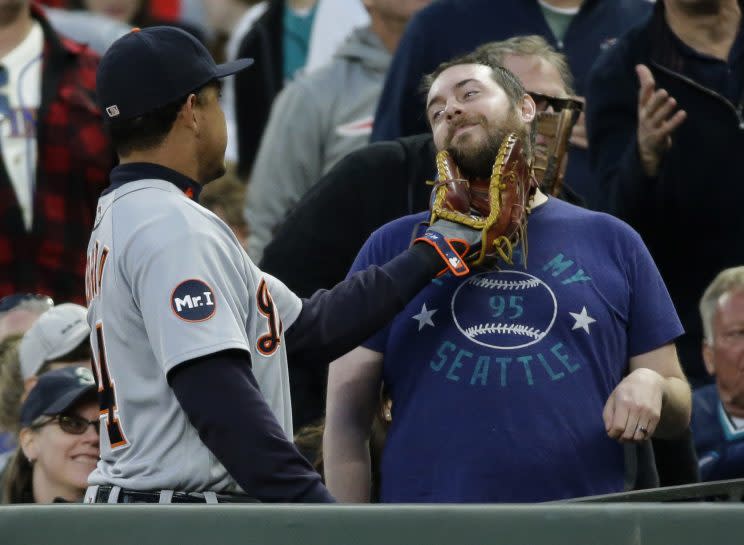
{"x":56,"y":333}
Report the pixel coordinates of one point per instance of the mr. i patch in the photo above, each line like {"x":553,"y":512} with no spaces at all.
{"x":193,"y":301}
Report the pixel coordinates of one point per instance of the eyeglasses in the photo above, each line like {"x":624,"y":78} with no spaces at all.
{"x":71,"y":423}
{"x":10,"y":302}
{"x":558,"y":104}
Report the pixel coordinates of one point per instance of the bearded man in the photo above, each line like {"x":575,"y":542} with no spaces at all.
{"x":520,"y":381}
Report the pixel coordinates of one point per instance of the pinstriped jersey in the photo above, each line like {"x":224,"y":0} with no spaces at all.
{"x":167,"y":282}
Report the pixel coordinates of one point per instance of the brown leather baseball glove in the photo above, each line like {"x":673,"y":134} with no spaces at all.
{"x":497,"y":207}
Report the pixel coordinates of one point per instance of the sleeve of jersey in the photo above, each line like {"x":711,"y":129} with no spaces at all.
{"x":374,"y":252}
{"x":223,"y":402}
{"x":652,"y":320}
{"x":188,"y":288}
{"x":332,"y":322}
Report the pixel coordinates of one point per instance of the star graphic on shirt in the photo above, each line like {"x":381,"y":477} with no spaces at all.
{"x":424,"y":317}
{"x":582,"y":320}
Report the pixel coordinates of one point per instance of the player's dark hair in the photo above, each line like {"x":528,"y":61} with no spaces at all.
{"x":149,"y":130}
{"x":510,"y":83}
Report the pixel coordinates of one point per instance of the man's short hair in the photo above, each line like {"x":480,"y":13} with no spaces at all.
{"x":503,"y":77}
{"x":528,"y":46}
{"x":492,"y":54}
{"x":727,"y":280}
{"x":148,"y":131}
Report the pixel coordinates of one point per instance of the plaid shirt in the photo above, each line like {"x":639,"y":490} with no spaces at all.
{"x":74,"y":159}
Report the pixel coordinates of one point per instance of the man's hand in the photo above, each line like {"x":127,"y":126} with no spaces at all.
{"x":633,"y":410}
{"x":657,"y":120}
{"x":578,"y":133}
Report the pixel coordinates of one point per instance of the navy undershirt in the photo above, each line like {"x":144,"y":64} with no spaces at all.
{"x":133,"y":172}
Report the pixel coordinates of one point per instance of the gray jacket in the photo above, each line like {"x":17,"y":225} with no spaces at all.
{"x":315,"y":121}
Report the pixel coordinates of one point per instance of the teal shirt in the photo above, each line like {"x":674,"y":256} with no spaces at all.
{"x":297,"y":28}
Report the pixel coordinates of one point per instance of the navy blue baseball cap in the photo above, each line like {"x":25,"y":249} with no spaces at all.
{"x":57,"y":391}
{"x":150,"y":68}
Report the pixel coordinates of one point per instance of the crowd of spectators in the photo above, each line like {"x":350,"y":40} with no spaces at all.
{"x":329,"y":139}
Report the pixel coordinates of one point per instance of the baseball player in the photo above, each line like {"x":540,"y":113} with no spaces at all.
{"x":190,"y":338}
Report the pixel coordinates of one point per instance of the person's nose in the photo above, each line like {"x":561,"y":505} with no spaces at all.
{"x":452,"y":110}
{"x":91,"y":434}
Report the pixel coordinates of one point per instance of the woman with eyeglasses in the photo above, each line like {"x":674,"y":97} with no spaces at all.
{"x":58,"y":440}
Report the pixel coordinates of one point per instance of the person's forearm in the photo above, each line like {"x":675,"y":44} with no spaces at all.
{"x":351,"y":402}
{"x":346,"y":465}
{"x":222,"y":400}
{"x":332,"y":322}
{"x":676,"y":408}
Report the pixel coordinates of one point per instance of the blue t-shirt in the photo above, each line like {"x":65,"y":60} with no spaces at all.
{"x":499,"y":379}
{"x":718,"y":441}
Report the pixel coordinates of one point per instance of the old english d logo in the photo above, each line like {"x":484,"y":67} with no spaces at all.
{"x":193,"y":301}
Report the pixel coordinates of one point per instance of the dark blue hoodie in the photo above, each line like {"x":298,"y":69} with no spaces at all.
{"x":690,"y":214}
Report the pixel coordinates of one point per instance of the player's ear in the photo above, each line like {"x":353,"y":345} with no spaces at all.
{"x":188,"y":111}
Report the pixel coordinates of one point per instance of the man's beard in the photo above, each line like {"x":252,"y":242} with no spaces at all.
{"x":477,"y":162}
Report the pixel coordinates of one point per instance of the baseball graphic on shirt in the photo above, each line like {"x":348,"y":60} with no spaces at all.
{"x":504,"y":309}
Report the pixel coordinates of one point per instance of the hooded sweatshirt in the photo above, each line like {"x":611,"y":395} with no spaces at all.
{"x":315,"y":121}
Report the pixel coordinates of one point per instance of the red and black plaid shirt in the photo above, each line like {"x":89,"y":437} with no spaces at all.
{"x":74,"y":159}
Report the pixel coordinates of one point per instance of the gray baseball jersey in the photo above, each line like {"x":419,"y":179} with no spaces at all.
{"x":167,"y":282}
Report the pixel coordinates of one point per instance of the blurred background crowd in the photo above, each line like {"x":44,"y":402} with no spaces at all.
{"x":327,"y":141}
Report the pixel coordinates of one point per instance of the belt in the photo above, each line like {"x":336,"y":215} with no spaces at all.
{"x":116,"y":494}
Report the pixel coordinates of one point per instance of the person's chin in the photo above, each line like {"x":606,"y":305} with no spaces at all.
{"x":466,"y":142}
{"x":216,"y":173}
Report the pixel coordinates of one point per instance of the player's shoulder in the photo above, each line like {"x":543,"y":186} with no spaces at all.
{"x":157,"y":210}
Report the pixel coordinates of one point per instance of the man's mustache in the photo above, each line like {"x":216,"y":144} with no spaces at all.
{"x":462,"y":122}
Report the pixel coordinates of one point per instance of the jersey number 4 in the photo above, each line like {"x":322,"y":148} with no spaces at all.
{"x":106,"y":394}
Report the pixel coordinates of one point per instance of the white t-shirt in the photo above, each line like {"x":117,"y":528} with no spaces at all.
{"x":20,"y":99}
